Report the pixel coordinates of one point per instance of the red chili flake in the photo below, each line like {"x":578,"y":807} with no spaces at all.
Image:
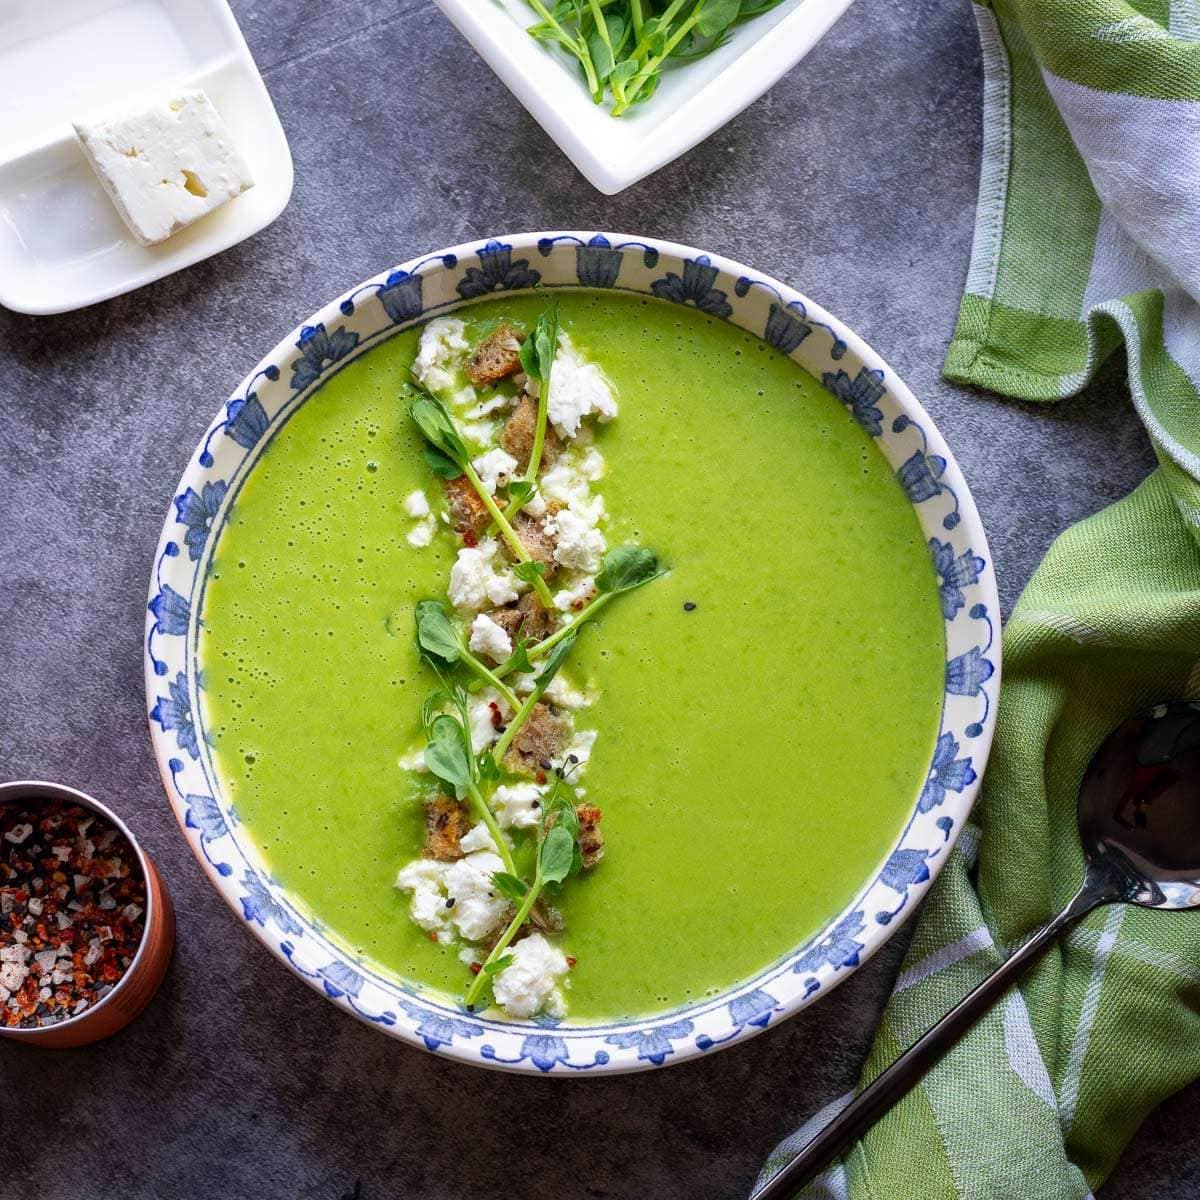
{"x":571,"y":961}
{"x":540,"y":777}
{"x":433,"y":937}
{"x":497,"y":715}
{"x":90,"y":939}
{"x":470,"y":538}
{"x":476,"y":968}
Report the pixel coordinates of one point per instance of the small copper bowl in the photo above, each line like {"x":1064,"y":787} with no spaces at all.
{"x":134,"y":990}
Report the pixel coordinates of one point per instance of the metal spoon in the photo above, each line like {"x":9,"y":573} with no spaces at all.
{"x":1139,"y":822}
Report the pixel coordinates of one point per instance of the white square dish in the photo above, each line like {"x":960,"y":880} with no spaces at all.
{"x":694,"y":99}
{"x":62,"y":243}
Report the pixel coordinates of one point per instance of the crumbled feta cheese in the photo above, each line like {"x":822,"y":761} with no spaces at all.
{"x":474,"y":581}
{"x":564,"y":482}
{"x":416,"y":504}
{"x":481,"y":708}
{"x":425,"y":879}
{"x":414,"y":760}
{"x":580,"y":545}
{"x":530,"y":983}
{"x":421,"y":534}
{"x":490,"y":405}
{"x":591,"y":464}
{"x":480,"y":433}
{"x":578,"y":389}
{"x":18,"y":833}
{"x":578,"y":594}
{"x":165,"y":165}
{"x":476,"y":838}
{"x":489,"y":638}
{"x":476,"y":910}
{"x":580,"y":749}
{"x":494,"y":468}
{"x":517,"y":805}
{"x":560,"y":690}
{"x":562,"y":693}
{"x":442,"y":348}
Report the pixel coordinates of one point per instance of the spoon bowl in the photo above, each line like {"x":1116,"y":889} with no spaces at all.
{"x":1139,"y":807}
{"x":1139,"y":824}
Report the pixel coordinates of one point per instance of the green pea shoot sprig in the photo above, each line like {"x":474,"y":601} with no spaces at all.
{"x":622,"y":46}
{"x":447,"y":454}
{"x":558,"y":856}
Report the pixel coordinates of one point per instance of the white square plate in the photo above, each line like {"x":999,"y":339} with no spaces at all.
{"x":694,"y":98}
{"x":62,"y":244}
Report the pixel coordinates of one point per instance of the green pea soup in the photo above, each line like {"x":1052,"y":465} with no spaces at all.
{"x":766,"y":712}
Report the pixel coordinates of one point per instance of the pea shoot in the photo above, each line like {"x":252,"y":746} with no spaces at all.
{"x":558,"y":856}
{"x":537,"y":360}
{"x":448,"y":457}
{"x":438,"y":637}
{"x":623,"y":46}
{"x":621,"y":570}
{"x":557,"y":657}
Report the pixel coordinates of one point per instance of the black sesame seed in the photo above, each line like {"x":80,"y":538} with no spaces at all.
{"x":537,"y":804}
{"x":573,"y":758}
{"x":450,"y":902}
{"x":545,"y":764}
{"x":689,"y":606}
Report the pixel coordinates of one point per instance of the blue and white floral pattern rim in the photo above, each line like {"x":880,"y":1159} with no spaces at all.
{"x":433,"y":284}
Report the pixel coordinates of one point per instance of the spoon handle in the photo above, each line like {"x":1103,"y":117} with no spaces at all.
{"x":897,"y":1080}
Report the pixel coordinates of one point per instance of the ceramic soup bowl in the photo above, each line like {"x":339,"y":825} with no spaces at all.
{"x":438,"y":283}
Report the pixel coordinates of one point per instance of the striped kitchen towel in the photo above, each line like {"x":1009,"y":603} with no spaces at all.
{"x":1087,"y":237}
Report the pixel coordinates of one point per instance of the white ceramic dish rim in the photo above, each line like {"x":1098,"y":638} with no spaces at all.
{"x":218,"y":231}
{"x":766,"y":307}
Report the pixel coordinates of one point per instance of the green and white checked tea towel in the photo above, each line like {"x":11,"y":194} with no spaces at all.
{"x":1087,"y":237}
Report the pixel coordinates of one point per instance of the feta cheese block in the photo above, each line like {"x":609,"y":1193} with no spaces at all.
{"x":165,"y":164}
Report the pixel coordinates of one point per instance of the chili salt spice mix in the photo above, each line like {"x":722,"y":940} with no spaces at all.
{"x":86,"y":925}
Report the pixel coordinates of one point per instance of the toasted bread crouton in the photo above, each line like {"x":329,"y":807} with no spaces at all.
{"x":509,"y":618}
{"x":543,"y":736}
{"x":538,"y":543}
{"x":525,"y":618}
{"x":497,"y":357}
{"x":539,"y":621}
{"x":446,"y":821}
{"x":467,"y":510}
{"x":591,"y":840}
{"x":546,"y":917}
{"x":519,"y":431}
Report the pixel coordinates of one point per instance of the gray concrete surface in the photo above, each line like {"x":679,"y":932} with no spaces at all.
{"x":854,"y":179}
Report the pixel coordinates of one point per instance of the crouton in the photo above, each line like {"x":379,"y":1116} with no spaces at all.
{"x":446,"y":821}
{"x":496,"y":357}
{"x":539,"y":621}
{"x":467,"y":510}
{"x":538,"y":543}
{"x":591,"y":840}
{"x":540,"y":739}
{"x":518,"y":433}
{"x":546,"y":917}
{"x":525,"y":618}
